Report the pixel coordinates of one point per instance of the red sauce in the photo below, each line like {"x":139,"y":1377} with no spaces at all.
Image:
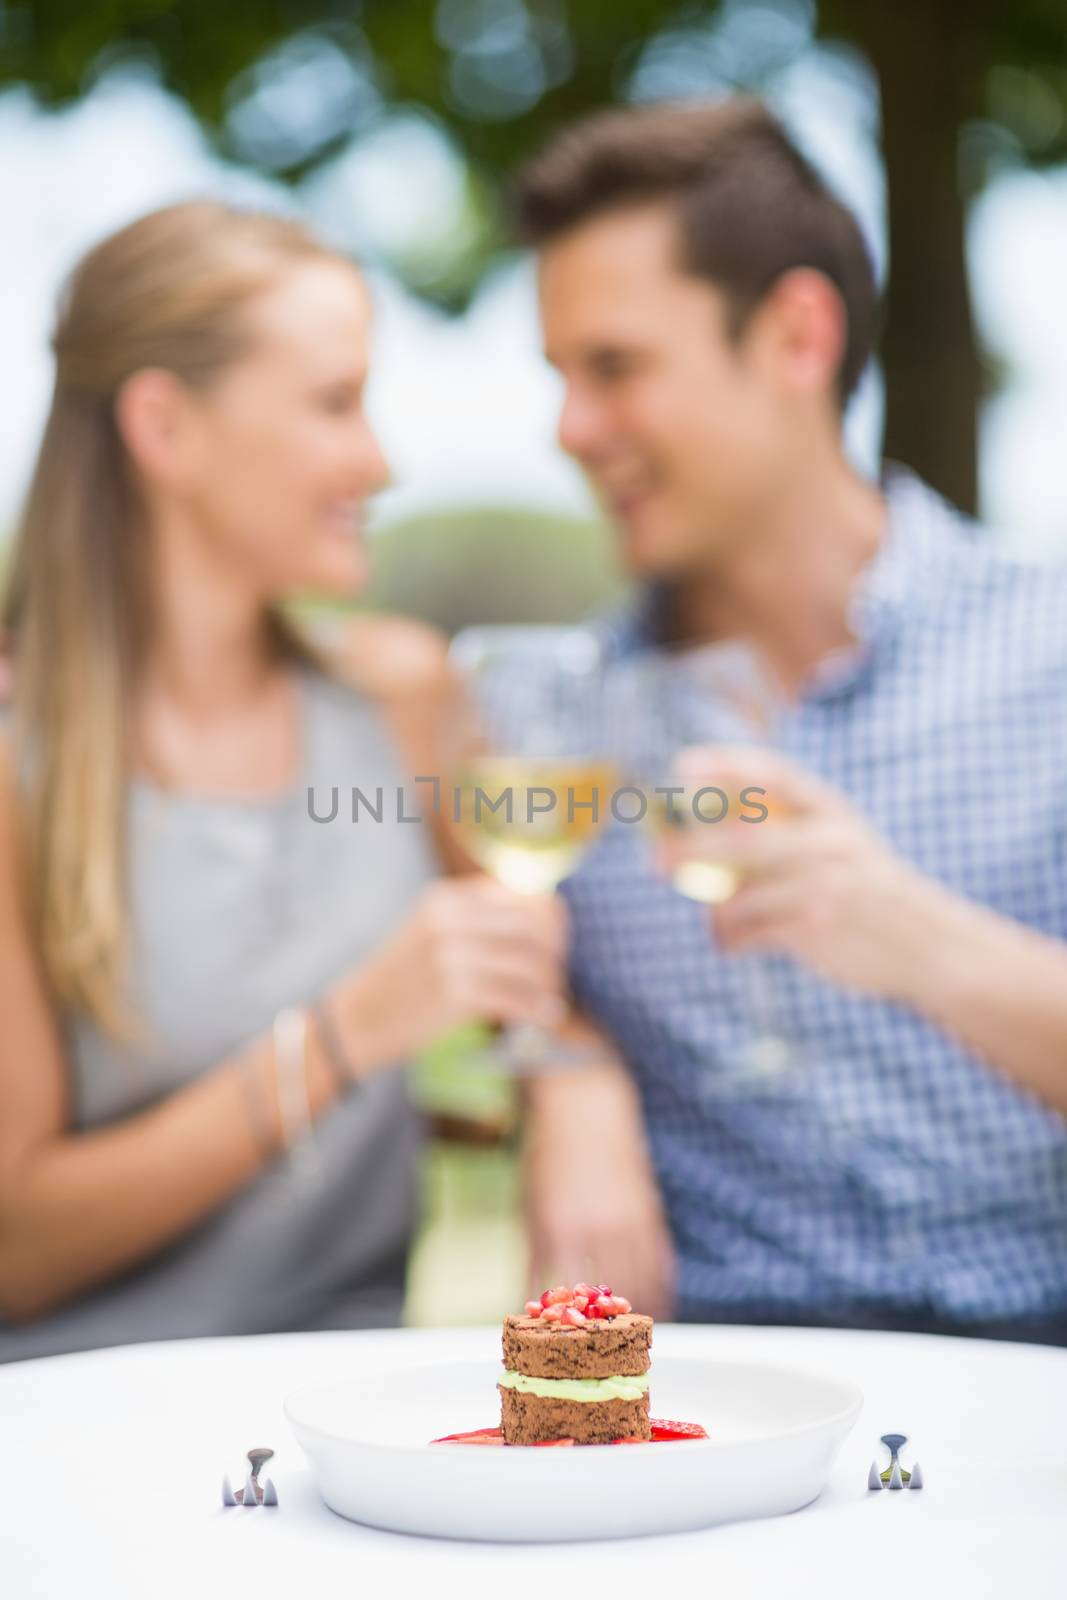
{"x":662,"y":1432}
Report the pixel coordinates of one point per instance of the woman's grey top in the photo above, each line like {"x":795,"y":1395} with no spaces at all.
{"x":239,"y":908}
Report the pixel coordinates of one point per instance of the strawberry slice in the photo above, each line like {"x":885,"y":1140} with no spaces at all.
{"x":676,"y":1430}
{"x":475,"y":1436}
{"x":547,"y":1444}
{"x":632,"y":1438}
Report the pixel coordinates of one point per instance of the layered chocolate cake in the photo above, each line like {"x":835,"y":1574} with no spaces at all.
{"x":576,"y":1368}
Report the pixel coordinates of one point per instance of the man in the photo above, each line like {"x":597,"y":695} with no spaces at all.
{"x":710,"y":308}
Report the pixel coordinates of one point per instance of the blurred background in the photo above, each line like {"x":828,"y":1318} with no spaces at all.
{"x":391,"y":125}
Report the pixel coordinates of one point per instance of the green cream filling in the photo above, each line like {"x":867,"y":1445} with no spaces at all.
{"x":620,"y":1388}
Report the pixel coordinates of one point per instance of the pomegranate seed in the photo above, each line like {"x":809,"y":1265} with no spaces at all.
{"x":558,"y":1297}
{"x":552,"y":1313}
{"x":580,"y":1302}
{"x":604,"y":1305}
{"x":586,"y":1290}
{"x":603,"y":1288}
{"x":622,"y":1304}
{"x":533,"y":1308}
{"x":573,"y":1317}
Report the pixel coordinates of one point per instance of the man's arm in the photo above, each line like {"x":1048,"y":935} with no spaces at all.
{"x":593,"y":1207}
{"x":999,"y":987}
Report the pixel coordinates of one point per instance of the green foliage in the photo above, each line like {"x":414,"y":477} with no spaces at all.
{"x":469,"y":1261}
{"x":498,"y":75}
{"x":450,"y":1079}
{"x":461,"y":567}
{"x":457,"y":568}
{"x":284,"y":85}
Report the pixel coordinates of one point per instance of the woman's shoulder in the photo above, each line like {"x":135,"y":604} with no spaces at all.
{"x":399,"y":668}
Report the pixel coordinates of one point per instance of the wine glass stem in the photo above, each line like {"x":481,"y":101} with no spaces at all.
{"x":769,"y":1052}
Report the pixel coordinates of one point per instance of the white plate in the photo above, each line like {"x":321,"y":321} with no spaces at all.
{"x":774,"y":1434}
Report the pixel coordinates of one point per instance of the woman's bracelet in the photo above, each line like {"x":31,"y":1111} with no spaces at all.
{"x":288,"y":1069}
{"x":251,"y":1069}
{"x":289,"y":1035}
{"x":337,"y":1057}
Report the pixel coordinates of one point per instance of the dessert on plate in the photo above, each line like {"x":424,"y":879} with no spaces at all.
{"x":576,"y":1372}
{"x":575,"y":1368}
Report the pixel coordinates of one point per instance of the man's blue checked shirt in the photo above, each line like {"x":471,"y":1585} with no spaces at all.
{"x":887,"y":1166}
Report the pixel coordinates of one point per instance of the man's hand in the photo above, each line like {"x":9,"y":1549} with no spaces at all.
{"x":592,"y":1205}
{"x":818,"y":883}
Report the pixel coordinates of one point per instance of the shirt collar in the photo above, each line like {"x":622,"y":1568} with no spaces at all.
{"x":903,"y":577}
{"x":920,"y":529}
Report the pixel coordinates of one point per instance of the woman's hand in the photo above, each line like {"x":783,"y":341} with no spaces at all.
{"x":593,"y":1208}
{"x":471,"y":949}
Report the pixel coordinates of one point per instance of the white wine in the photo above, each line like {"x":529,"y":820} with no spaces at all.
{"x":697,"y":872}
{"x":709,"y":881}
{"x":529,"y":822}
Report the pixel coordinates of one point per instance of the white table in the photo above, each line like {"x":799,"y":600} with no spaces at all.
{"x":111,"y":1461}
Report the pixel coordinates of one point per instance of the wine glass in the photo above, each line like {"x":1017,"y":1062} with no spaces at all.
{"x":531,"y":784}
{"x":662,"y":702}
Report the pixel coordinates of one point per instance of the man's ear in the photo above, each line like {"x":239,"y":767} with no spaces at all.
{"x":152,"y":413}
{"x":805,"y":321}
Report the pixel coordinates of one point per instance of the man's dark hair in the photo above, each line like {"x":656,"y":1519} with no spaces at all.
{"x":750,"y":206}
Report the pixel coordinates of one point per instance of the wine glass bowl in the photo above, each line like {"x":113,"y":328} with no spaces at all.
{"x":681,"y":820}
{"x":529,"y":822}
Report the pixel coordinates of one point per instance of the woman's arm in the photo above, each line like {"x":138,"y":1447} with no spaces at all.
{"x":402,"y":665}
{"x":592,"y":1203}
{"x":78,"y":1207}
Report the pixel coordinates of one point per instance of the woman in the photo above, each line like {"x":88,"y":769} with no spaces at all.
{"x":205,"y":993}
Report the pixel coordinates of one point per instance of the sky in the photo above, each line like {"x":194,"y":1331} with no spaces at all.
{"x":466,"y":407}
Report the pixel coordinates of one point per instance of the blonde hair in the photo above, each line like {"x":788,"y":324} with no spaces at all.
{"x":166,"y":292}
